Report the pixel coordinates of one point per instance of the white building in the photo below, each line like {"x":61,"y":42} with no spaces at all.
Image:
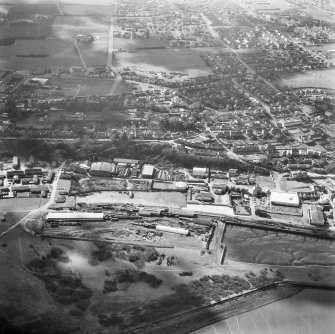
{"x":75,"y":216}
{"x":148,"y":171}
{"x":282,"y":198}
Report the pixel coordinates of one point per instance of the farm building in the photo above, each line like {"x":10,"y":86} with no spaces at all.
{"x":104,"y":169}
{"x":282,"y":198}
{"x":316,"y":217}
{"x":75,"y":216}
{"x":148,"y":171}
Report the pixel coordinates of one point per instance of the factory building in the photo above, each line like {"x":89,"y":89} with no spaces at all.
{"x":286,"y":199}
{"x":148,"y":171}
{"x":204,"y":197}
{"x":103,"y":169}
{"x":33,"y":171}
{"x":182,"y":213}
{"x":316,"y":216}
{"x":16,"y":162}
{"x":75,"y":216}
{"x":170,"y":229}
{"x":200,"y":172}
{"x":126,"y":161}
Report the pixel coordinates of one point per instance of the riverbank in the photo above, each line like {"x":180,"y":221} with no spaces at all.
{"x":199,"y":318}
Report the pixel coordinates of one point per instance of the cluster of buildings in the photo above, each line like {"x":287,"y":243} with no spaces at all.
{"x":19,"y":180}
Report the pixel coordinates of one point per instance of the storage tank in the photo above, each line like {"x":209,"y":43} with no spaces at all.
{"x":16,"y":179}
{"x":170,"y":229}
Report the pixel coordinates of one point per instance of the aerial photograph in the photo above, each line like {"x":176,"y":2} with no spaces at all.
{"x":167,"y":166}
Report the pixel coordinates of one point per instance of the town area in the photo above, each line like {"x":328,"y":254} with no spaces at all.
{"x":166,"y":167}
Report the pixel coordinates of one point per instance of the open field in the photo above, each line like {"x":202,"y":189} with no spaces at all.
{"x":163,"y":199}
{"x":139,"y":43}
{"x":99,"y":10}
{"x":21,"y":204}
{"x":267,"y":247}
{"x":310,"y":311}
{"x":59,"y":46}
{"x":322,"y":79}
{"x":164,"y":60}
{"x":61,"y":53}
{"x":66,"y":27}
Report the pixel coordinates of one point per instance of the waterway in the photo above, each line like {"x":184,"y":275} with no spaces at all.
{"x":319,"y":79}
{"x":310,"y":312}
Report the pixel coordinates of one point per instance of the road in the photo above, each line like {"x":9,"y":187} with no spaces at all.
{"x":40,"y":209}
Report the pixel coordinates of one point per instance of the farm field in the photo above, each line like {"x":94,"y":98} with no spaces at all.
{"x":267,"y":247}
{"x":61,"y":53}
{"x":164,"y":60}
{"x":139,"y":43}
{"x":59,"y":46}
{"x":66,"y":27}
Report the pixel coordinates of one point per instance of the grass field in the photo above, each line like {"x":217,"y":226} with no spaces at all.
{"x":164,"y":60}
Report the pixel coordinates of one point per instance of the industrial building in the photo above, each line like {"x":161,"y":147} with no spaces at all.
{"x":200,"y":172}
{"x":204,"y":197}
{"x":16,"y":162}
{"x":286,"y":199}
{"x":170,"y":229}
{"x":103,"y":169}
{"x":126,"y":161}
{"x":316,"y":216}
{"x":148,"y":171}
{"x":75,"y":216}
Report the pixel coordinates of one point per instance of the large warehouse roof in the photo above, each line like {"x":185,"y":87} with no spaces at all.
{"x":103,"y":167}
{"x":282,"y":198}
{"x":73,"y":216}
{"x":148,"y":170}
